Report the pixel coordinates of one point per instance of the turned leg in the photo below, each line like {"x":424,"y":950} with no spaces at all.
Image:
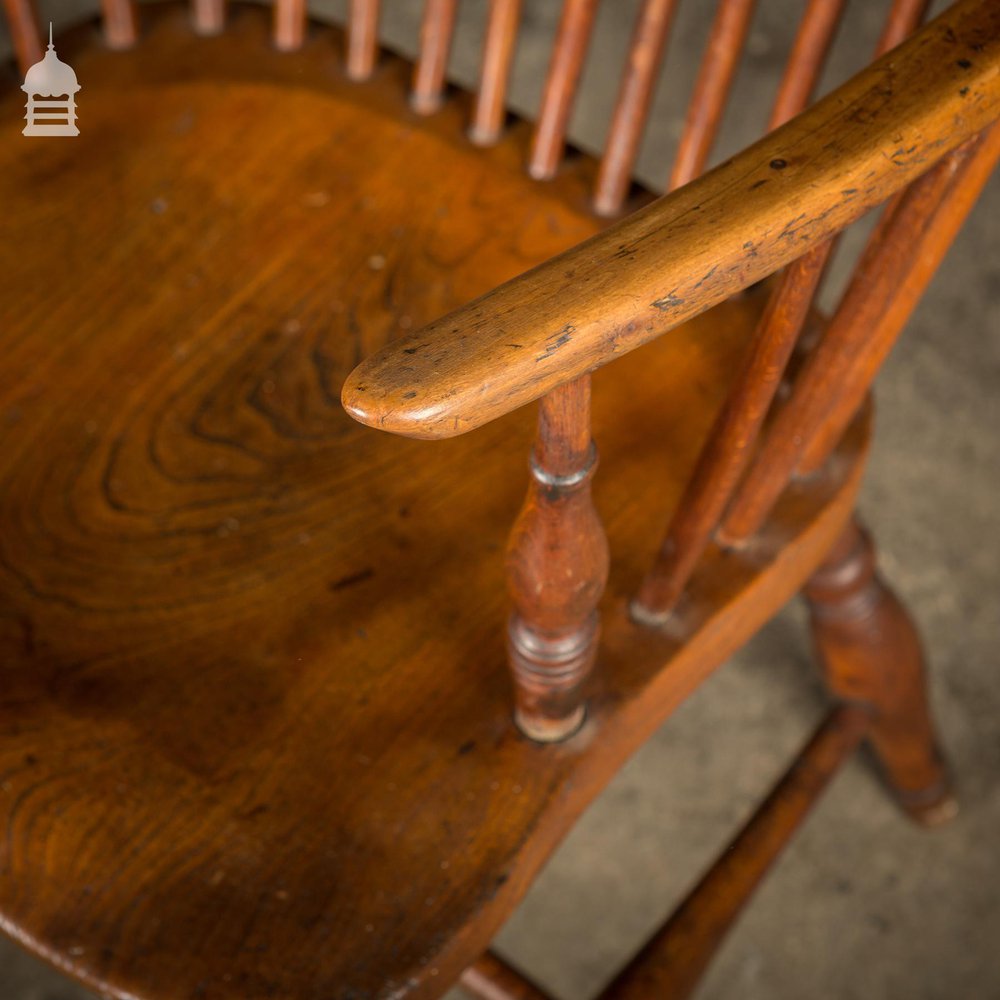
{"x":871,"y":653}
{"x":557,"y":565}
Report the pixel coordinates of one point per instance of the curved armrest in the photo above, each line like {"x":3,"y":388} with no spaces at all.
{"x":693,"y":248}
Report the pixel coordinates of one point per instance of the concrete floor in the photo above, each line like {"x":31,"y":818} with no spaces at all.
{"x":863,"y":905}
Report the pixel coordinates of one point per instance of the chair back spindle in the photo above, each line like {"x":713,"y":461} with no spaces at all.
{"x":436,"y":33}
{"x":808,"y":56}
{"x":730,"y":445}
{"x":905,"y":16}
{"x":289,"y":24}
{"x":711,"y":90}
{"x":632,"y":107}
{"x":24,"y":31}
{"x":783,"y":448}
{"x":498,"y":53}
{"x":568,"y":54}
{"x":209,"y":16}
{"x":557,"y":566}
{"x":898,"y":262}
{"x":121,"y":23}
{"x":955,"y":184}
{"x":362,"y":38}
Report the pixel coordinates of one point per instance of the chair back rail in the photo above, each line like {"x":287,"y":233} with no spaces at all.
{"x":723,"y":51}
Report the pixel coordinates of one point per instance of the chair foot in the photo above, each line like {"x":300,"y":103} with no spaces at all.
{"x":871,"y":653}
{"x":932,"y":807}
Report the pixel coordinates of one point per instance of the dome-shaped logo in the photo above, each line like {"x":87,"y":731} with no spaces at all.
{"x":51,"y":87}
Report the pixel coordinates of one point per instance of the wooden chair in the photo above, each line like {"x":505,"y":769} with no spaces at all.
{"x":258,"y":736}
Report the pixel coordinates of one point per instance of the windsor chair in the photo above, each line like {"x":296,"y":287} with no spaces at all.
{"x":258,"y":735}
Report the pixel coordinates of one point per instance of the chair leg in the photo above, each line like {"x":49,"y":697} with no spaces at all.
{"x":871,"y":653}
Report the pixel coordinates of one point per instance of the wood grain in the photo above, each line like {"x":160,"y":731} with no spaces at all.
{"x":255,"y":740}
{"x":895,"y":270}
{"x":692,"y":249}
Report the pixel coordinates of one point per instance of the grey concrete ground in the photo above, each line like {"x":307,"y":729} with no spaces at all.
{"x":863,"y":905}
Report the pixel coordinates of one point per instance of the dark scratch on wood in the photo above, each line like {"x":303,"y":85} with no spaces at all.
{"x":669,"y":301}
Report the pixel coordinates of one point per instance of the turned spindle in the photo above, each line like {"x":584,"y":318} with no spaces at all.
{"x":557,"y":565}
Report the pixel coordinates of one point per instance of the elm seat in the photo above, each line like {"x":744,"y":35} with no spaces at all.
{"x":246,"y":632}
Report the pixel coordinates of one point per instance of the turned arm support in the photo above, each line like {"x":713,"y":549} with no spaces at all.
{"x":699,"y":245}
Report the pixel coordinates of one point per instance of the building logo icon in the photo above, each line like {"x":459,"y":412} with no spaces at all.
{"x":54,"y":79}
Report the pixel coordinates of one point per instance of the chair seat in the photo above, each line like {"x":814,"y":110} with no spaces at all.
{"x":255,"y":733}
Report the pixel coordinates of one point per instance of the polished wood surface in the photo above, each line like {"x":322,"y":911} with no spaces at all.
{"x":255,"y":727}
{"x":690,"y":250}
{"x":259,"y":733}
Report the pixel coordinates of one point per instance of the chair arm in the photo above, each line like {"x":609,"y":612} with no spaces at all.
{"x":693,"y":248}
